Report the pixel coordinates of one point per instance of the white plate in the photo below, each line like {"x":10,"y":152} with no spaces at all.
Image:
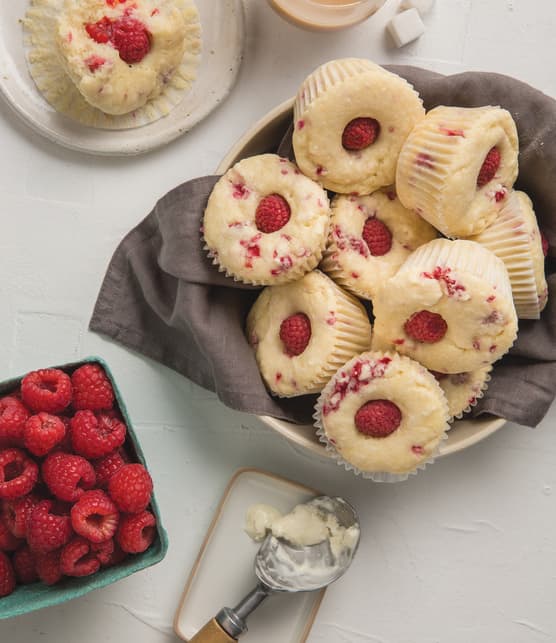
{"x":223,"y":572}
{"x":223,"y":26}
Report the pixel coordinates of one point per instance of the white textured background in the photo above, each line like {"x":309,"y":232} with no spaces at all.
{"x":466,"y":551}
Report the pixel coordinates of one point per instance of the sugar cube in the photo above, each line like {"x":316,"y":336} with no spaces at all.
{"x":406,"y":27}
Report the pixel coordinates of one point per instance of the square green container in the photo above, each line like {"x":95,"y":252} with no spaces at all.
{"x":28,"y":598}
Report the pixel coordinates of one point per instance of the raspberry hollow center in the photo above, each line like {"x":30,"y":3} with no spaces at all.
{"x":273,"y":212}
{"x":360,"y":133}
{"x":377,"y":236}
{"x":295,"y":333}
{"x":426,"y":327}
{"x":489,"y":167}
{"x":378,"y":418}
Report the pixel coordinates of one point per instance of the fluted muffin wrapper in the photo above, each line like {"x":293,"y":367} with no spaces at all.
{"x":478,"y":396}
{"x":330,"y":266}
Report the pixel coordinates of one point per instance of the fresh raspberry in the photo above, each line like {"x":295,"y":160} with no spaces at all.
{"x":7,"y":575}
{"x":104,"y":551}
{"x":117,"y":556}
{"x":94,"y":516}
{"x":46,"y":390}
{"x":136,"y":532}
{"x":100,"y":31}
{"x":8,"y":542}
{"x":25,"y":566}
{"x":18,"y":473}
{"x":42,"y":433}
{"x":295,"y":333}
{"x":131,"y":39}
{"x":106,"y":467}
{"x":489,"y":167}
{"x":49,"y":527}
{"x":360,"y":133}
{"x":131,"y":488}
{"x":13,"y":416}
{"x":16,"y":514}
{"x":78,"y":559}
{"x":377,"y":236}
{"x":426,"y":327}
{"x":92,"y":389}
{"x":48,"y":566}
{"x":378,"y":418}
{"x":273,"y":212}
{"x":545,"y":246}
{"x":94,"y":435}
{"x":68,"y":476}
{"x":94,"y":63}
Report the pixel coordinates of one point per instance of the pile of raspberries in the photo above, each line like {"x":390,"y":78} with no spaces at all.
{"x":71,"y":500}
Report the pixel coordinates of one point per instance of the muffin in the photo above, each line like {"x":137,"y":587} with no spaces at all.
{"x":369,"y":239}
{"x":351,"y":118}
{"x":449,"y":307}
{"x":456,"y":167}
{"x":265,"y":223}
{"x":462,"y":390}
{"x":382,"y":415}
{"x":303,"y":331}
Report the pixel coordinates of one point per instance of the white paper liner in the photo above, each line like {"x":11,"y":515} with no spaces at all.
{"x":476,"y":398}
{"x":47,"y":71}
{"x":375,"y":476}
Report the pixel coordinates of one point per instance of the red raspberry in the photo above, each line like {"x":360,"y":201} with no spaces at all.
{"x":100,"y":31}
{"x":94,"y":62}
{"x":8,"y":542}
{"x":92,"y":389}
{"x":7,"y":576}
{"x":18,"y":473}
{"x":94,"y":516}
{"x":96,"y":435}
{"x":544,"y":242}
{"x":46,"y":390}
{"x":295,"y":333}
{"x":68,"y":476}
{"x":78,"y":559}
{"x":489,"y":167}
{"x":378,"y":418}
{"x":25,"y":566}
{"x":16,"y":514}
{"x":377,"y":236}
{"x":136,"y":532}
{"x":104,"y":551}
{"x":273,"y":212}
{"x":426,"y":327}
{"x":117,"y":556}
{"x":360,"y":133}
{"x":106,"y":467}
{"x":48,"y":567}
{"x":49,"y":527}
{"x":13,"y":416}
{"x":131,"y":39}
{"x":131,"y":488}
{"x":42,"y":433}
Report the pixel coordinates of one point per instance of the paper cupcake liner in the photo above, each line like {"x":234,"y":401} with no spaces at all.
{"x":47,"y":71}
{"x":375,"y":476}
{"x":477,"y":396}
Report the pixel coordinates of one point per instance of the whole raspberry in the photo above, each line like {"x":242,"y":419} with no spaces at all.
{"x":46,"y":390}
{"x":136,"y":532}
{"x":426,"y":327}
{"x":272,"y":213}
{"x":8,"y":542}
{"x":7,"y":575}
{"x":18,"y":473}
{"x":16,"y":514}
{"x":42,"y":433}
{"x":104,"y":551}
{"x":92,"y":389}
{"x":78,"y":559}
{"x":100,"y":31}
{"x":96,"y":435}
{"x":131,"y":488}
{"x":49,"y":527}
{"x":25,"y":566}
{"x":378,"y":418}
{"x":544,"y":242}
{"x":48,"y":566}
{"x":117,"y":556}
{"x":68,"y":476}
{"x":13,"y":416}
{"x":106,"y":467}
{"x":131,"y":38}
{"x":360,"y":133}
{"x":377,"y":236}
{"x":94,"y":516}
{"x":489,"y":167}
{"x":295,"y":333}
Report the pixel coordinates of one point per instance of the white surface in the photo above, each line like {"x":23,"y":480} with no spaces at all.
{"x":223,"y":579}
{"x":223,"y":36}
{"x":406,"y":27}
{"x":422,"y":6}
{"x":463,"y":552}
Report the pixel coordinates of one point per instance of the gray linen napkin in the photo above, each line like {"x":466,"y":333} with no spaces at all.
{"x":162,"y":297}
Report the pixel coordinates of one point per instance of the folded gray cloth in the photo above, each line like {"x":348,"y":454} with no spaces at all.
{"x":163,"y":297}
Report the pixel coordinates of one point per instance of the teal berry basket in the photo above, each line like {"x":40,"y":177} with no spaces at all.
{"x":28,"y":598}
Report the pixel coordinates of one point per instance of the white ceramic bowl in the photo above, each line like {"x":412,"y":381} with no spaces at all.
{"x":263,"y":137}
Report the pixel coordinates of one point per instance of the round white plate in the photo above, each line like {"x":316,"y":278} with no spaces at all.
{"x":223,"y":27}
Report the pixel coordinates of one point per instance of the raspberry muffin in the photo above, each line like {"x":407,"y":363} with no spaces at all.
{"x":457,"y":166}
{"x":382,"y":415}
{"x":462,"y":390}
{"x":265,"y":223}
{"x":449,"y":307}
{"x":303,"y":331}
{"x":351,"y":118}
{"x":515,"y":238}
{"x":369,"y":239}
